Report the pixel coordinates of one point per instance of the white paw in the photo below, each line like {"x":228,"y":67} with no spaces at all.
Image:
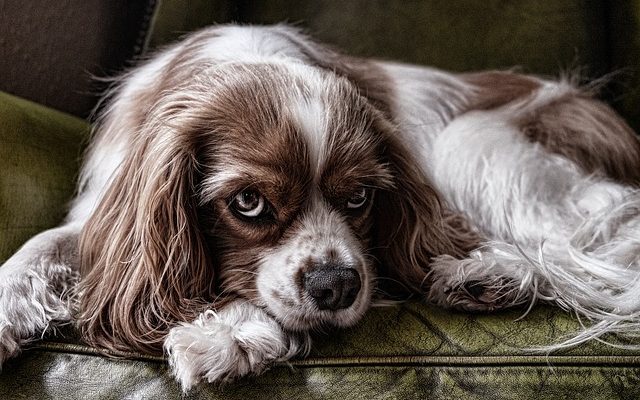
{"x":30,"y":302}
{"x":220,"y":347}
{"x":9,"y":343}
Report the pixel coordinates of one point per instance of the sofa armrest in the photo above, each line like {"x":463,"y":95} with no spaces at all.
{"x":40,"y":153}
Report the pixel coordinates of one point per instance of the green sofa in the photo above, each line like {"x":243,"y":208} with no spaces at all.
{"x":406,"y":351}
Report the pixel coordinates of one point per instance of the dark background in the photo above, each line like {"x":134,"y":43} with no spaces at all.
{"x":54,"y":52}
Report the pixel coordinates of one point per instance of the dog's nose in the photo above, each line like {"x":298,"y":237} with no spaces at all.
{"x":332,"y":287}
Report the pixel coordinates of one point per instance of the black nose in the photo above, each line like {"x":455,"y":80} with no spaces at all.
{"x":332,"y":287}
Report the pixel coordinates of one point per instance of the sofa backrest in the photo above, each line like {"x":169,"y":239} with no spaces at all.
{"x":65,"y":45}
{"x":592,"y":38}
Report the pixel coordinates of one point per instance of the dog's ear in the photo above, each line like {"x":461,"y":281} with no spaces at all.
{"x":411,"y":226}
{"x":144,"y":258}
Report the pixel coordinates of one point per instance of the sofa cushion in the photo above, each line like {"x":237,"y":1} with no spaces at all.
{"x":40,"y":151}
{"x":406,"y":351}
{"x":461,"y":35}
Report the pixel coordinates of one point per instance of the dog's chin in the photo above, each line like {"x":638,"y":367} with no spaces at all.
{"x":308,"y":317}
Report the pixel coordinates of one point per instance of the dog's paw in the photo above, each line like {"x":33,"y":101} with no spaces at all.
{"x":478,"y":296}
{"x":465,"y":285}
{"x":220,"y":347}
{"x":9,"y":343}
{"x":30,"y":303}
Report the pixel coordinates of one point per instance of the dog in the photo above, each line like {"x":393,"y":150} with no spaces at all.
{"x":249,"y":185}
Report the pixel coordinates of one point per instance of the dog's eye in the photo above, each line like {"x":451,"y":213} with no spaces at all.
{"x":249,"y":203}
{"x":358,"y":199}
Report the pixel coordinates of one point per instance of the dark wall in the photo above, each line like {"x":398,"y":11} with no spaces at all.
{"x":51,"y":50}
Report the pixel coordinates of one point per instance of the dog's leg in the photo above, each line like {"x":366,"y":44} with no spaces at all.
{"x":238,"y":340}
{"x":35,"y":287}
{"x":595,"y":269}
{"x":554,"y":231}
{"x":465,"y":285}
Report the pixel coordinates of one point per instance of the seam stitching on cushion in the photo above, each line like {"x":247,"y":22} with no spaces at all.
{"x":426,"y":360}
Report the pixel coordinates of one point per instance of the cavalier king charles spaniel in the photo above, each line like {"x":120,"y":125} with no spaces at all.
{"x":249,"y":185}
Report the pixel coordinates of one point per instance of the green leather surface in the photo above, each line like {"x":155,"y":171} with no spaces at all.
{"x":175,"y":18}
{"x":541,"y":36}
{"x":400,"y":352}
{"x":66,"y":376}
{"x":417,"y":329}
{"x":39,"y":157}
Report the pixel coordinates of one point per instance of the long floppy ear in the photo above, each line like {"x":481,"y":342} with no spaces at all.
{"x":145,"y":263}
{"x":412,"y":226}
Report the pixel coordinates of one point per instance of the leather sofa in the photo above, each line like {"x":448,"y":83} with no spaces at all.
{"x":410,"y":350}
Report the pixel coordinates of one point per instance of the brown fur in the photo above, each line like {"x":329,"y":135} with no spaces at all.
{"x":497,"y":88}
{"x":589,"y":133}
{"x":576,"y":126}
{"x":411,"y":224}
{"x":162,"y":245}
{"x":141,"y":241}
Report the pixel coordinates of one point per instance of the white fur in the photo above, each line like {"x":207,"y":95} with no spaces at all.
{"x":323,"y":231}
{"x":213,"y":184}
{"x":311,"y":115}
{"x":559,"y":234}
{"x":36,"y":287}
{"x":249,"y":44}
{"x":221,"y":346}
{"x":425,"y":102}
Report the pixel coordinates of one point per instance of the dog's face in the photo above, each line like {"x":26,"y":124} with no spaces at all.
{"x":290,"y":180}
{"x":278,"y":182}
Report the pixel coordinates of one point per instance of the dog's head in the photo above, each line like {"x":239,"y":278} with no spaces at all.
{"x":290,"y":179}
{"x":281,"y":183}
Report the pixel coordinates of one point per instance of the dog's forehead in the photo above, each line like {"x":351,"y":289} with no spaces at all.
{"x":292,"y":121}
